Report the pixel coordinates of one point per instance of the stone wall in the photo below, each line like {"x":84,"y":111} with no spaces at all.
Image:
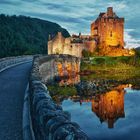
{"x":10,"y":61}
{"x":62,"y":45}
{"x":49,"y":120}
{"x":58,"y":65}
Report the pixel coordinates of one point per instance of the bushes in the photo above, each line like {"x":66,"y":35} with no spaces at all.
{"x":103,"y":60}
{"x":57,"y":90}
{"x":123,"y":59}
{"x":100,"y":61}
{"x":113,"y":61}
{"x":85,"y":53}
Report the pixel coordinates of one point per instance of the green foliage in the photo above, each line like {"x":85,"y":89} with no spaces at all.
{"x":123,"y":59}
{"x":100,"y":61}
{"x":85,"y":53}
{"x":111,"y":61}
{"x":137,"y":50}
{"x":105,"y":60}
{"x":112,"y":67}
{"x":57,"y":90}
{"x":21,"y":35}
{"x":104,"y":63}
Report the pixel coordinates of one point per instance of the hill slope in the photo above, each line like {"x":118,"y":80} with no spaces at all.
{"x":24,"y":35}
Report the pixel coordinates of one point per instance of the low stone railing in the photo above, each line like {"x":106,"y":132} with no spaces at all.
{"x":49,"y":120}
{"x":10,"y":61}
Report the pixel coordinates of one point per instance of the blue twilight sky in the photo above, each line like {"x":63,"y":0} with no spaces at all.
{"x":76,"y":15}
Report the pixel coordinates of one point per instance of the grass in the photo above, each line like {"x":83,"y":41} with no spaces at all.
{"x":59,"y":90}
{"x":58,"y":93}
{"x":118,"y":68}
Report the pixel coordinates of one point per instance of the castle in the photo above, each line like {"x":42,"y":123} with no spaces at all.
{"x":106,"y":38}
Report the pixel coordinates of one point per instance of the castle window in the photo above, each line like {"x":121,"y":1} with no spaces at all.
{"x":111,"y":34}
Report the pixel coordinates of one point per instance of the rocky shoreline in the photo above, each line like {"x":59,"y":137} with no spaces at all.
{"x":89,"y":88}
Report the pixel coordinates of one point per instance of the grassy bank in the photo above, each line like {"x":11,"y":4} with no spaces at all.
{"x":123,"y":67}
{"x":59,"y":93}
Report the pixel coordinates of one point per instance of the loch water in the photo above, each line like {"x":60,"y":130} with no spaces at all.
{"x":103,"y":120}
{"x":113,"y":114}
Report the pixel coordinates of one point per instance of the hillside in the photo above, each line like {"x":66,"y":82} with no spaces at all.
{"x":138,"y":51}
{"x":21,"y":35}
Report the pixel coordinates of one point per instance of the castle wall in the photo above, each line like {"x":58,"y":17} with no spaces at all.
{"x":56,"y":45}
{"x":90,"y":45}
{"x":112,"y":30}
{"x":67,"y":49}
{"x":109,"y":28}
{"x":50,"y":47}
{"x":61,"y":45}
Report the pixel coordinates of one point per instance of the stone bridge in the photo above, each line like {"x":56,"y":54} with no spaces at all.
{"x":58,"y":65}
{"x":28,"y":112}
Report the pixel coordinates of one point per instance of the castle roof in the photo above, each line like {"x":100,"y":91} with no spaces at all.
{"x":108,"y":14}
{"x":101,"y":14}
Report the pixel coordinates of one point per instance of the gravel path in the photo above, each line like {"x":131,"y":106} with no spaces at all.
{"x":13,"y":83}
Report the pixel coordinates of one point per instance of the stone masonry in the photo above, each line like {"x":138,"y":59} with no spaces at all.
{"x":49,"y":120}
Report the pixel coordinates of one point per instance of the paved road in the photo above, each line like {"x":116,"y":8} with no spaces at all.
{"x":13,"y":83}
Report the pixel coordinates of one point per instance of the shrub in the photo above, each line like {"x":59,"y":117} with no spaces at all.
{"x":100,"y":61}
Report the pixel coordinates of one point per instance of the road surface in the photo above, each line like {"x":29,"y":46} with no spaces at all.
{"x":13,"y":82}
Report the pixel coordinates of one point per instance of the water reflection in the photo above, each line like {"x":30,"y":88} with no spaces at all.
{"x":108,"y":107}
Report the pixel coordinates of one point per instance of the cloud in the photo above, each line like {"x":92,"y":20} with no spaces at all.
{"x":8,"y":2}
{"x":77,"y":15}
{"x":130,"y":41}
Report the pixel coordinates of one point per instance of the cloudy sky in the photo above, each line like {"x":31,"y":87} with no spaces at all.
{"x":76,"y":15}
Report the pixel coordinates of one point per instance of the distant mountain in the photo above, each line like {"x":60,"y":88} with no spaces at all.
{"x":138,"y":48}
{"x":21,"y":35}
{"x":137,"y":51}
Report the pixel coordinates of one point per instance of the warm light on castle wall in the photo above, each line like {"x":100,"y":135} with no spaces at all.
{"x":111,"y":39}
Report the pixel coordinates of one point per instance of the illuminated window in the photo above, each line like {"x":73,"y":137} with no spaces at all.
{"x":111,"y":34}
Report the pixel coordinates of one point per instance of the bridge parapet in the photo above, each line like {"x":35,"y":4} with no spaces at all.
{"x":49,"y":120}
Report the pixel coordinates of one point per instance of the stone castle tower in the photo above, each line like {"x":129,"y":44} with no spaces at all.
{"x":108,"y":29}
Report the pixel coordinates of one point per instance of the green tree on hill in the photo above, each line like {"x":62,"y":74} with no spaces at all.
{"x":21,"y":35}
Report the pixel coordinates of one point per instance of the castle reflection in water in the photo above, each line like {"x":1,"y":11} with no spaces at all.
{"x":108,"y":107}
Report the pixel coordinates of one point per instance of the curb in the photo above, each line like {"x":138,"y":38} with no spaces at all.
{"x":28,"y":133}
